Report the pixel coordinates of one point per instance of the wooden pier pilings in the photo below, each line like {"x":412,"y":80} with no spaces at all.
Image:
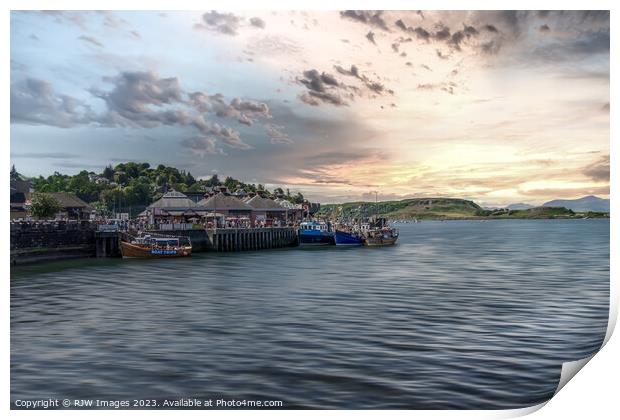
{"x":230,"y":240}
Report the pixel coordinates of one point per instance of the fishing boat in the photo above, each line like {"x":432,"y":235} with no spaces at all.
{"x":315,"y":233}
{"x":381,"y":237}
{"x":149,"y":246}
{"x":346,"y":237}
{"x":379,"y":233}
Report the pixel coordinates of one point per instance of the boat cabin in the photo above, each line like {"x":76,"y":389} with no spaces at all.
{"x":312,"y":225}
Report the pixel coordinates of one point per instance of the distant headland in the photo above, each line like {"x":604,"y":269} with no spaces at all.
{"x":440,"y":208}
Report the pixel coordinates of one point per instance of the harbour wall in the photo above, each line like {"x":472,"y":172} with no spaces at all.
{"x":49,"y":241}
{"x":233,"y":240}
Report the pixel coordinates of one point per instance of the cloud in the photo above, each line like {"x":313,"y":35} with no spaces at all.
{"x":276,"y":134}
{"x":544,"y":28}
{"x":370,"y":36}
{"x":225,"y":23}
{"x":136,"y":100}
{"x":34,"y":102}
{"x":373,"y":86}
{"x":134,"y":95}
{"x":447,"y":87}
{"x":257,"y":22}
{"x":273,"y":45}
{"x":227,"y":135}
{"x":46,"y":155}
{"x":490,"y":28}
{"x":315,"y":98}
{"x":368,"y":17}
{"x":599,"y":170}
{"x":202,"y":146}
{"x":244,"y":111}
{"x":90,"y":40}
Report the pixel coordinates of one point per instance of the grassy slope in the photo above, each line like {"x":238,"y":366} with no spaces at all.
{"x":442,"y":208}
{"x":421,"y":208}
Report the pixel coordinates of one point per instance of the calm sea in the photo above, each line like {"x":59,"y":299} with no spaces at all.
{"x":460,"y":314}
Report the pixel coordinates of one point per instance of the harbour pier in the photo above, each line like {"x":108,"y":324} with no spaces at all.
{"x":230,"y":240}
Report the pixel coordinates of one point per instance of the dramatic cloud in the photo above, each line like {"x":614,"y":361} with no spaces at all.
{"x":322,"y":87}
{"x":226,"y":134}
{"x":225,"y":23}
{"x":137,"y":100}
{"x":599,"y":170}
{"x":276,"y":134}
{"x":202,"y":146}
{"x":90,"y":40}
{"x":243,"y":111}
{"x":368,"y":17}
{"x":34,"y":102}
{"x":134,"y":94}
{"x":370,"y":36}
{"x":442,"y":34}
{"x":373,"y":86}
{"x":257,"y":22}
{"x":447,"y":87}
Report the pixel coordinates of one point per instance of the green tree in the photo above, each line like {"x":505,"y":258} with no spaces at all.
{"x":298,"y":198}
{"x":213,"y":181}
{"x":44,"y":205}
{"x":14,"y":174}
{"x":108,"y":173}
{"x":190,"y":180}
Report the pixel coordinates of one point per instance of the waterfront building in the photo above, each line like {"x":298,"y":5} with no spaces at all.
{"x":172,"y":208}
{"x":266,"y":211}
{"x":71,"y":206}
{"x":230,"y":207}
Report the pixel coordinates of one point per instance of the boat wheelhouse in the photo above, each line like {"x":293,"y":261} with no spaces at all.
{"x":315,"y":233}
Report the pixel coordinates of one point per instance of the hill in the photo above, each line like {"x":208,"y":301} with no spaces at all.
{"x":131,"y":186}
{"x":418,"y":208}
{"x":519,"y":206}
{"x":584,"y":204}
{"x":445,"y":208}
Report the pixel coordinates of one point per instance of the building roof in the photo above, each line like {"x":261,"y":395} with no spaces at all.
{"x":222,"y":201}
{"x":70,"y":200}
{"x":266,"y":204}
{"x":287,"y":204}
{"x":173,"y":200}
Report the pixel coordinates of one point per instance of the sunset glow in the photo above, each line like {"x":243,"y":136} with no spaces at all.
{"x":498,"y":107}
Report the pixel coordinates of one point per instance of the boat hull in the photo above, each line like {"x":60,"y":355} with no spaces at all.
{"x":315,"y":238}
{"x":129,"y":250}
{"x":343,"y":238}
{"x":380,"y":240}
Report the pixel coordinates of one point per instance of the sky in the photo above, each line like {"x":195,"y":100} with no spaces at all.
{"x":495,"y":106}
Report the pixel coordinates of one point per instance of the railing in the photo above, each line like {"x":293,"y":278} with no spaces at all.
{"x":107,"y":228}
{"x":178,"y":226}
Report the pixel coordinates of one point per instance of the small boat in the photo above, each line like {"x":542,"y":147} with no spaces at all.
{"x":314,"y":233}
{"x":379,"y":233}
{"x":381,"y":237}
{"x":148,"y":246}
{"x":346,"y":238}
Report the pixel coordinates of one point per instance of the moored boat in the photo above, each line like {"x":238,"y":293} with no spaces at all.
{"x":315,"y":233}
{"x":379,"y":233}
{"x":156,"y":247}
{"x":381,"y":237}
{"x":346,"y":238}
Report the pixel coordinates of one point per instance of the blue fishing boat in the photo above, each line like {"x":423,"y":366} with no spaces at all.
{"x":344,"y":238}
{"x":315,"y":233}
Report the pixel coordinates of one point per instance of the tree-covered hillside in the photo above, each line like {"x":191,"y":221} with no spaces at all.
{"x":131,"y":186}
